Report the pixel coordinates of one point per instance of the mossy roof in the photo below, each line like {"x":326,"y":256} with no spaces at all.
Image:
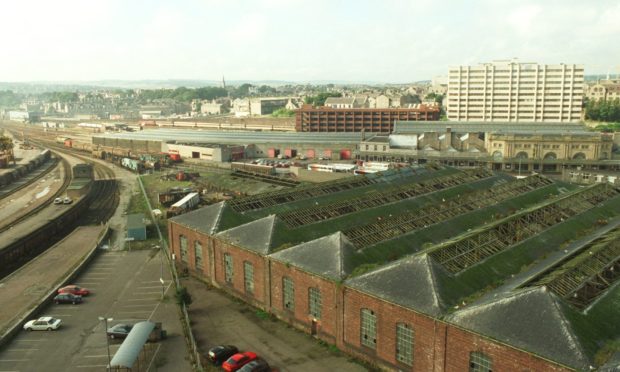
{"x":329,"y":256}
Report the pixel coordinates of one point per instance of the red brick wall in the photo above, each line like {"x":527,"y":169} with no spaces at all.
{"x":388,"y":315}
{"x":504,"y":358}
{"x":327,"y":325}
{"x":437,"y":345}
{"x":174,"y":232}
{"x":238,"y":283}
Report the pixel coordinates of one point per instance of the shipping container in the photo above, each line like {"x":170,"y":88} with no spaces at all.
{"x":68,"y":143}
{"x":175,"y":157}
{"x":345,"y":154}
{"x":310,"y":154}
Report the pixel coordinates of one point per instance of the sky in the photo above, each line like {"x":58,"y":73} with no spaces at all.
{"x":384,"y":41}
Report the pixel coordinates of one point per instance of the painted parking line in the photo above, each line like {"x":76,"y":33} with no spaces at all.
{"x":144,"y":299}
{"x":20,"y":349}
{"x":134,"y":312}
{"x":151,"y":287}
{"x":89,"y":283}
{"x":95,"y":356}
{"x":143,"y":305}
{"x":14,"y":360}
{"x":147,"y":293}
{"x":92,"y":366}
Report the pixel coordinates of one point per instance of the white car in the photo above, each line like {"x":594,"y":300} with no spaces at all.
{"x":67,"y":200}
{"x":58,"y":201}
{"x":45,"y":323}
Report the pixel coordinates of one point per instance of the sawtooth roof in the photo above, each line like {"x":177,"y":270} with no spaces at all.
{"x":329,"y":256}
{"x":205,"y":219}
{"x":533,"y":319}
{"x":411,"y":282}
{"x":255,"y":235}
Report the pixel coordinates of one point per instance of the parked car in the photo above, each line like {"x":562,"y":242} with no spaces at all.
{"x":58,"y":201}
{"x":258,"y":365}
{"x":119,"y":330}
{"x":238,"y":360}
{"x":67,"y":201}
{"x":74,"y":289}
{"x":44,"y":323}
{"x":67,"y":298}
{"x":218,"y":354}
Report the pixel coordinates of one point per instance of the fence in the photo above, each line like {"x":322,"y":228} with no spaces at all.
{"x":166,"y":253}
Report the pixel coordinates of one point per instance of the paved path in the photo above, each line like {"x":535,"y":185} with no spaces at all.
{"x":25,"y":288}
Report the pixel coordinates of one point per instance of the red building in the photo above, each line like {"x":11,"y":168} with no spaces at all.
{"x":411,"y":313}
{"x":326,"y":119}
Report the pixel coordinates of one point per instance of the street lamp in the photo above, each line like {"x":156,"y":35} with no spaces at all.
{"x":107,"y":341}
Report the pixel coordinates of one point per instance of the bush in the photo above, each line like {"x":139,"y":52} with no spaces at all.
{"x":183,"y":296}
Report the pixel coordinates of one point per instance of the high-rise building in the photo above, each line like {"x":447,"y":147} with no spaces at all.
{"x":511,"y":91}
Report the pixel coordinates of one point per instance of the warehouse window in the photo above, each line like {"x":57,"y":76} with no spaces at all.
{"x":404,"y":344}
{"x":198,"y":255}
{"x":314,"y":302}
{"x":289,"y":294}
{"x":248,"y":277}
{"x":183,"y":247}
{"x":228,"y":268}
{"x":368,"y":327}
{"x":479,"y":362}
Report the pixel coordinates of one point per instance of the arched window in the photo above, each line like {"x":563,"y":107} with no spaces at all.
{"x":404,"y":344}
{"x":579,"y":156}
{"x":198,"y":255}
{"x":550,"y":156}
{"x":521,"y":155}
{"x":498,"y":155}
{"x":183,"y":248}
{"x":480,"y":362}
{"x":368,"y":328}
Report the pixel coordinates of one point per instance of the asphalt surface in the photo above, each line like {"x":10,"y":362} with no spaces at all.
{"x":125,"y":287}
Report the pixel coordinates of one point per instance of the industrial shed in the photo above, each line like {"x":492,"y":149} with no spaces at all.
{"x":393,"y":266}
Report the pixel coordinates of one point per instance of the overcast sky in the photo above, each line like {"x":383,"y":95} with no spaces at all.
{"x":380,"y":41}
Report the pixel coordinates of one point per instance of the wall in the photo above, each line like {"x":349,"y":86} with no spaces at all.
{"x":327,"y":324}
{"x":437,"y":346}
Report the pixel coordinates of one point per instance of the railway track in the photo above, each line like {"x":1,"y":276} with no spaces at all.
{"x":12,"y":221}
{"x":30,"y":181}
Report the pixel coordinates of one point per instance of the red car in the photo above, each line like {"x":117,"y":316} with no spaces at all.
{"x":74,"y":289}
{"x":238,"y":360}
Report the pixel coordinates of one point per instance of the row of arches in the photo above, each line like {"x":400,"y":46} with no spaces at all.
{"x":548,"y":156}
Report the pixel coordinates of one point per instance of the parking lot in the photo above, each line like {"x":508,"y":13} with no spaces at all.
{"x":126,"y":287}
{"x":219,"y":319}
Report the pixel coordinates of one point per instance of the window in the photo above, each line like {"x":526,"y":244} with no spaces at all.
{"x":198,"y":255}
{"x":288,"y":297}
{"x":404,"y":344}
{"x":314,"y":302}
{"x":368,"y":327}
{"x":248,"y":277}
{"x":183,"y":247}
{"x":479,"y":362}
{"x":228,"y":268}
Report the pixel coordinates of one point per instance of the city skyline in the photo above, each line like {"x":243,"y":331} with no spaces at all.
{"x":299,"y":41}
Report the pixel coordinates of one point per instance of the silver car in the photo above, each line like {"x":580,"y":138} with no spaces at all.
{"x":45,"y":323}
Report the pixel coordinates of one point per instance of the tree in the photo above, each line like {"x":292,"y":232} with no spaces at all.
{"x":319,"y":99}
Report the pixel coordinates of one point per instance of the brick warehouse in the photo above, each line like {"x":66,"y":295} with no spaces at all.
{"x":427,"y":268}
{"x":327,"y":119}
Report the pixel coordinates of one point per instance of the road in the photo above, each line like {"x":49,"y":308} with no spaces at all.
{"x":126,"y":288}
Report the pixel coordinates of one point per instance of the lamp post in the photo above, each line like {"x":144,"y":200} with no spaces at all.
{"x":107,"y":341}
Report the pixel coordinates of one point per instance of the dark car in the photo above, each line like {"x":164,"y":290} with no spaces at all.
{"x":238,"y":360}
{"x":258,"y":365}
{"x":67,"y":298}
{"x":218,"y":354}
{"x":119,"y":330}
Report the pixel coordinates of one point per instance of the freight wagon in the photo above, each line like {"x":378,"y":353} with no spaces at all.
{"x":188,"y":202}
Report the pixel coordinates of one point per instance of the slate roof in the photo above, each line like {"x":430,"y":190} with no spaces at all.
{"x":205,"y":219}
{"x":411,"y":282}
{"x":532,"y":319}
{"x":339,"y":100}
{"x":255,"y":235}
{"x":329,"y":256}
